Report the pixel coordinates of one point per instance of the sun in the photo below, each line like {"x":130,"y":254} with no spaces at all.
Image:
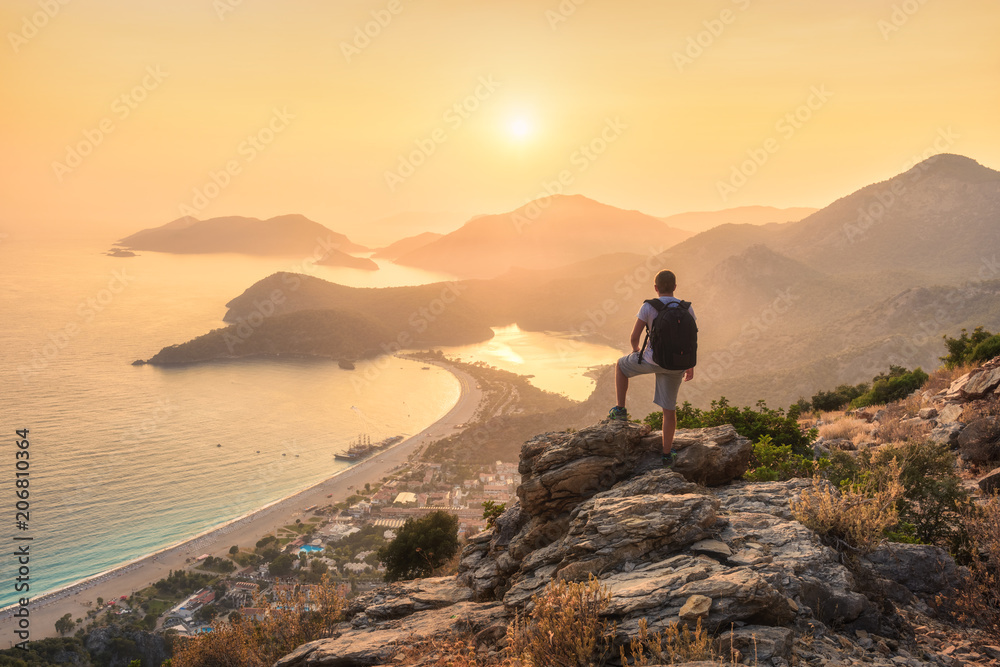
{"x":520,"y":128}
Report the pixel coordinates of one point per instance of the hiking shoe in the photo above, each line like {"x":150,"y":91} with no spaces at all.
{"x":618,"y":414}
{"x":668,"y":459}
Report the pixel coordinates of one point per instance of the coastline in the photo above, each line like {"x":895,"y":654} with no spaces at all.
{"x":245,"y":530}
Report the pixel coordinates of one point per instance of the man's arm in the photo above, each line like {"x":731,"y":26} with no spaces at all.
{"x":637,"y":334}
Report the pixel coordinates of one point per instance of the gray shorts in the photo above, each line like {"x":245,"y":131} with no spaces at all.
{"x":668,"y":383}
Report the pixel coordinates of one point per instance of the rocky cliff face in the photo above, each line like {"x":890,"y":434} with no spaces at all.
{"x":669,"y":549}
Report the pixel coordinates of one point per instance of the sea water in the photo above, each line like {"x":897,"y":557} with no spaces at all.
{"x":125,"y":460}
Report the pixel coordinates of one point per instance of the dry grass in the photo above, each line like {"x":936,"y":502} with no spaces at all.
{"x":437,"y":652}
{"x":912,"y":405}
{"x":854,"y":517}
{"x":290,"y":621}
{"x":847,"y":428}
{"x":978,"y":601}
{"x":676,"y":645}
{"x":891,"y":429}
{"x":564,"y":629}
{"x":832,"y":415}
{"x":895,"y":432}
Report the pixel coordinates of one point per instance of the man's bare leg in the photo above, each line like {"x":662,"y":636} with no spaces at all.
{"x":669,"y":426}
{"x":621,"y":386}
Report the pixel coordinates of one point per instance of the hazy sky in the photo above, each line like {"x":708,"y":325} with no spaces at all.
{"x":122,"y":114}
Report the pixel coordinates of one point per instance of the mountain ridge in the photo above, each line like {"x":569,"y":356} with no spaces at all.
{"x":546,"y":233}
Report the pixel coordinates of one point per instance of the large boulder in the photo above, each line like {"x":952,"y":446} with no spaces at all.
{"x":981,"y":383}
{"x":947,"y":434}
{"x":950,"y":413}
{"x":560,"y":470}
{"x":711,"y":456}
{"x":918,"y":568}
{"x":979,"y":441}
{"x":954,"y":391}
{"x":990,"y":482}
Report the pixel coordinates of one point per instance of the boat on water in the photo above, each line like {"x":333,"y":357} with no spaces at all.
{"x":363,"y":447}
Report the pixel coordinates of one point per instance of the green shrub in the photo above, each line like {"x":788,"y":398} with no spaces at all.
{"x":492,"y":511}
{"x":796,"y":409}
{"x":933,"y":498}
{"x":985,"y":350}
{"x":895,"y":385}
{"x":961,"y":349}
{"x":753,"y":424}
{"x":773,"y":463}
{"x":839,"y":397}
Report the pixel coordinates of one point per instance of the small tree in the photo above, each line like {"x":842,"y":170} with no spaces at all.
{"x":206,"y":613}
{"x":492,"y":511}
{"x":421,"y":546}
{"x":281,"y":566}
{"x":65,"y":624}
{"x":961,"y":349}
{"x":233,"y":550}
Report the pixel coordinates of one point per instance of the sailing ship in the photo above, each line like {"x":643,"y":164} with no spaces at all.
{"x":363,"y":447}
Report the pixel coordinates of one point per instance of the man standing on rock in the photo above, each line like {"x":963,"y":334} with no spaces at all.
{"x":675,"y":344}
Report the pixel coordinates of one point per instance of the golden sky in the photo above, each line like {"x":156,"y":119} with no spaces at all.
{"x":122,"y":114}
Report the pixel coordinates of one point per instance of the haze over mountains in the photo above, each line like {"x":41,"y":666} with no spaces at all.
{"x":784,"y":310}
{"x":701,"y":221}
{"x":406,"y":245}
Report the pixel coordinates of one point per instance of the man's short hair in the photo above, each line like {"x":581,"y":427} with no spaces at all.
{"x":665,"y":281}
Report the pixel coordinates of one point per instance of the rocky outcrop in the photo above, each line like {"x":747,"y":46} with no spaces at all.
{"x":377,"y":645}
{"x":599,"y":503}
{"x":982,"y":381}
{"x":982,"y":442}
{"x":669,"y":550}
{"x":558,"y":470}
{"x":385,"y":621}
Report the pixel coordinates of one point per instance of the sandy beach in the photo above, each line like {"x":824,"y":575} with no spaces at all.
{"x":245,"y":531}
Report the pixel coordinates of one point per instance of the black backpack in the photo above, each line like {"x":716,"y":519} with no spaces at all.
{"x":673,"y":336}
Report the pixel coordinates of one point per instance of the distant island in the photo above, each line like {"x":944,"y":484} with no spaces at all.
{"x":328,"y":334}
{"x":360,"y":325}
{"x":120,"y":252}
{"x":342,"y":259}
{"x":282,"y":235}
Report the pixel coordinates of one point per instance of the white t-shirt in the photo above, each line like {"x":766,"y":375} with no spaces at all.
{"x":647,"y":314}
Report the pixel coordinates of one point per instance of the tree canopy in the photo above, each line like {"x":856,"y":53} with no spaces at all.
{"x":421,"y":546}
